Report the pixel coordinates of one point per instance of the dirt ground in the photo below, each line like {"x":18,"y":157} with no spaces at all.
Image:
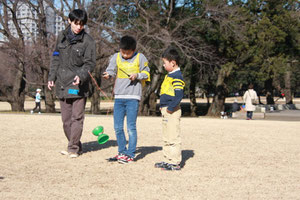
{"x":222,"y":159}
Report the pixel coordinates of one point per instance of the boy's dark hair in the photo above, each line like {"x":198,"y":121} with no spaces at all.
{"x":171,"y":54}
{"x":128,"y":43}
{"x":250,"y":86}
{"x":78,"y":15}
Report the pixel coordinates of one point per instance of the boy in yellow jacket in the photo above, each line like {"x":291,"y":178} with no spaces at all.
{"x":171,"y":96}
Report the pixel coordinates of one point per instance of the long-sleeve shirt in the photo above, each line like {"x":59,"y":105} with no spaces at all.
{"x":38,"y":97}
{"x":171,"y":92}
{"x":124,"y":87}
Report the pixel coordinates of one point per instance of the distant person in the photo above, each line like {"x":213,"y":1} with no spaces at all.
{"x":73,"y":58}
{"x":234,"y":108}
{"x":37,"y":101}
{"x":171,"y":94}
{"x":130,"y":70}
{"x":250,"y":98}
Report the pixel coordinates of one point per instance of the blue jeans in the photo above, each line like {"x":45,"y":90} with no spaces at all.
{"x":249,"y":114}
{"x":128,"y":107}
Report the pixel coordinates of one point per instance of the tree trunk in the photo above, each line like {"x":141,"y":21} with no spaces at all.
{"x":18,"y":93}
{"x":147,"y":102}
{"x":269,"y":91}
{"x":217,"y":105}
{"x":49,"y":96}
{"x":152,"y":104}
{"x":95,"y":98}
{"x":192,"y":91}
{"x":95,"y":102}
{"x":287,"y":88}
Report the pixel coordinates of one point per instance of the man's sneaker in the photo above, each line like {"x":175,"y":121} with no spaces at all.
{"x":40,"y":113}
{"x":115,"y":158}
{"x":74,"y":155}
{"x":125,"y":159}
{"x":64,"y":153}
{"x":171,"y":167}
{"x":160,"y":165}
{"x":31,"y":111}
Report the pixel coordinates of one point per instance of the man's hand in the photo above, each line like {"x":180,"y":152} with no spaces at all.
{"x":105,"y":75}
{"x":76,"y":80}
{"x":50,"y":84}
{"x":132,"y":77}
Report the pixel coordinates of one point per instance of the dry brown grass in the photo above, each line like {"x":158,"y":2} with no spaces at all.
{"x":222,"y":159}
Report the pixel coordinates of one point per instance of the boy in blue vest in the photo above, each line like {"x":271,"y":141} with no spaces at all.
{"x":129,"y":69}
{"x":171,"y":94}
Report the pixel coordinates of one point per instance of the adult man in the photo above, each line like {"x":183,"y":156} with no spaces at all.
{"x":72,"y":60}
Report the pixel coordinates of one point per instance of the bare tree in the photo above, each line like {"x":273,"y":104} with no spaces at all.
{"x":13,"y":47}
{"x":156,"y":25}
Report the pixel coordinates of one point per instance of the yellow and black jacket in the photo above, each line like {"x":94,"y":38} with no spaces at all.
{"x":171,"y":92}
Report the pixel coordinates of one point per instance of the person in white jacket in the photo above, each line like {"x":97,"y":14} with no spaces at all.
{"x":250,"y":98}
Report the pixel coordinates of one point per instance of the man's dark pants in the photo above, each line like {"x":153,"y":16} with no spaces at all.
{"x":72,"y":113}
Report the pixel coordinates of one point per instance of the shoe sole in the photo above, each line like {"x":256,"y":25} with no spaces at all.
{"x":74,"y":155}
{"x":124,"y":161}
{"x":165,"y":169}
{"x":65,"y":153}
{"x":171,"y":169}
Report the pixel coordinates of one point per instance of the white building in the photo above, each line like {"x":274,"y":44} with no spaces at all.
{"x":27,"y":20}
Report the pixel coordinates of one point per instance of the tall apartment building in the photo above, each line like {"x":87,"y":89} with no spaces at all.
{"x":27,"y":19}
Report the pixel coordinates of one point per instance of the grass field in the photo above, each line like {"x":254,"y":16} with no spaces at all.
{"x":222,"y":159}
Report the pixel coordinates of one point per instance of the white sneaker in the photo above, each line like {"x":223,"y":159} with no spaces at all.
{"x":74,"y":155}
{"x":31,"y":111}
{"x":40,"y":113}
{"x":64,"y":153}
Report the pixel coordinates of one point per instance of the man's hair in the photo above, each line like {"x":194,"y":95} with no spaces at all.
{"x":128,"y":43}
{"x":78,"y":15}
{"x":171,"y":54}
{"x":250,"y":86}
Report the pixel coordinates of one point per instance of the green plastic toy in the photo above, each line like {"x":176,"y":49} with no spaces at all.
{"x":99,"y":131}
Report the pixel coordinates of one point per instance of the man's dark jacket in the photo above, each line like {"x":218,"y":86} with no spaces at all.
{"x":72,"y":57}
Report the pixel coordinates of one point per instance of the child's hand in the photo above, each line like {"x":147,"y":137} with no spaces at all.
{"x":170,"y":112}
{"x":132,"y":77}
{"x":105,"y":75}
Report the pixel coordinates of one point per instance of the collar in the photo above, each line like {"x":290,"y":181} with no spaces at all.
{"x":133,"y":55}
{"x":178,"y":69}
{"x":77,"y":37}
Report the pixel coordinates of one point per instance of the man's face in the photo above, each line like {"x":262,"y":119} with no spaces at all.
{"x":76,"y":26}
{"x":126,"y":54}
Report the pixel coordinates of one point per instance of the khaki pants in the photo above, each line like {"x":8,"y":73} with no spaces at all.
{"x":171,"y":136}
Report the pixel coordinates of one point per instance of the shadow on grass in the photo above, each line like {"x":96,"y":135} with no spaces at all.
{"x":143,"y":151}
{"x":186,"y":154}
{"x":95,"y":146}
